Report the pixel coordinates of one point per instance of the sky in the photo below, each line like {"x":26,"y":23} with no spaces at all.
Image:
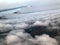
{"x":11,"y":3}
{"x":15,"y":3}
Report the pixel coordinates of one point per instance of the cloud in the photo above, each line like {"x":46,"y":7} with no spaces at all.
{"x":5,"y":27}
{"x":26,"y":39}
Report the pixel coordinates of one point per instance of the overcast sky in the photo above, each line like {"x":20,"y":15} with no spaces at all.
{"x":13,"y":3}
